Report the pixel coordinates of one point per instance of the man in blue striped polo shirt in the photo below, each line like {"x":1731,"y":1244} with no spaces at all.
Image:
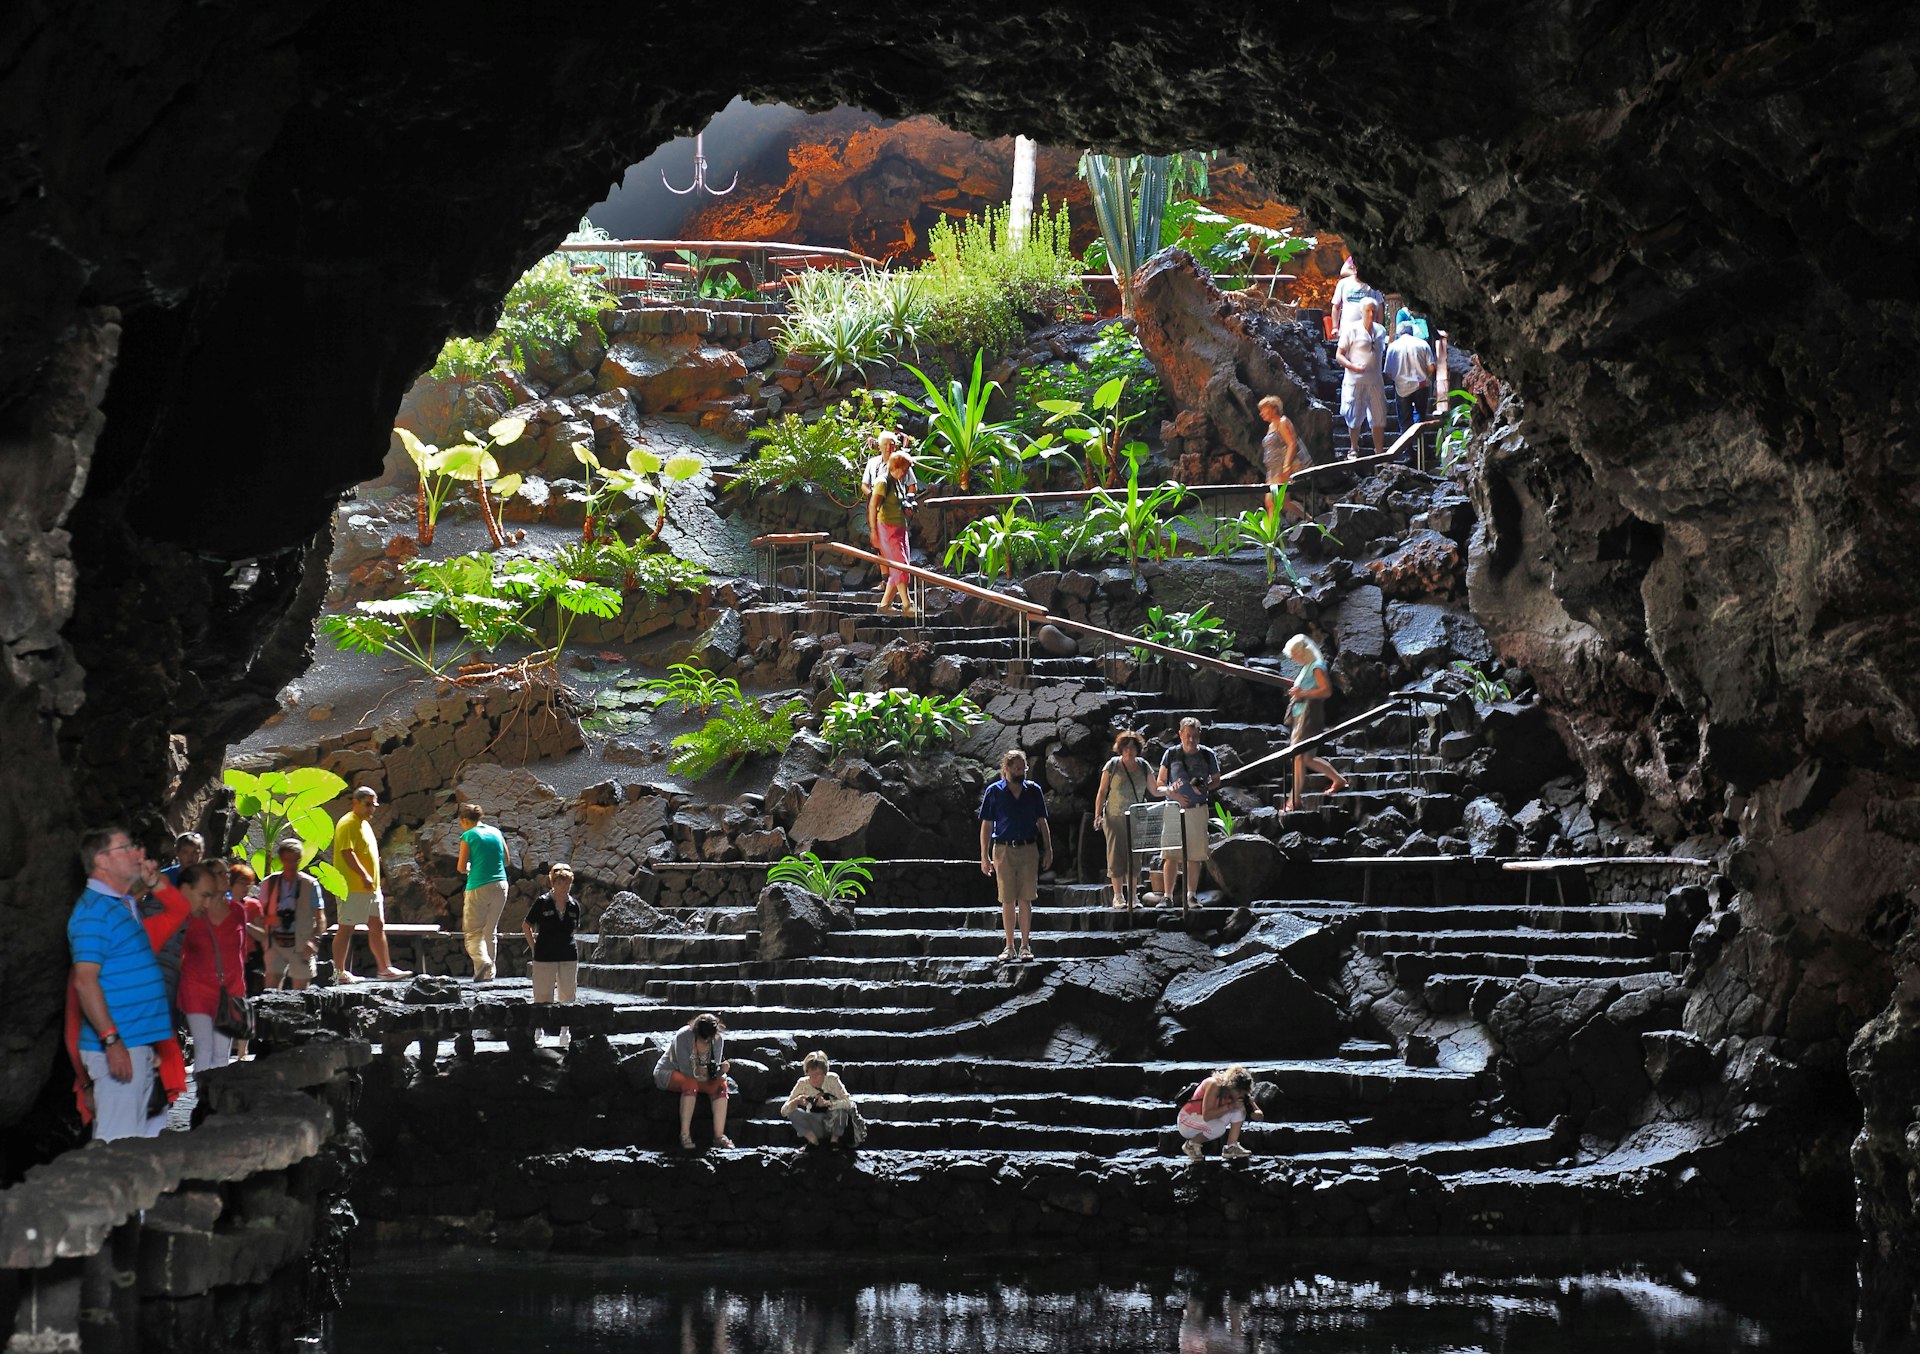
{"x":123,"y":995}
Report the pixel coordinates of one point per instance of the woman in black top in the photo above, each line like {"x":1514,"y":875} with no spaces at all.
{"x":549,"y":926}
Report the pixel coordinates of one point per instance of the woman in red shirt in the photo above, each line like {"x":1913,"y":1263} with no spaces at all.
{"x":214,"y":957}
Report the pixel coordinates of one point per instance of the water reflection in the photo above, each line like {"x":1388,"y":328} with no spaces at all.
{"x":1664,"y":1296}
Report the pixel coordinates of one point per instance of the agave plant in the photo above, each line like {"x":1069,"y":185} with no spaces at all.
{"x":830,"y":879}
{"x":898,"y":301}
{"x":1130,"y":197}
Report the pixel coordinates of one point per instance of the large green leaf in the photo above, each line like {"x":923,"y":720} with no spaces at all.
{"x":643,"y":461}
{"x":507,"y":486}
{"x":330,"y":878}
{"x":314,"y":828}
{"x":683,"y":465}
{"x":309,"y":785}
{"x":507,"y":431}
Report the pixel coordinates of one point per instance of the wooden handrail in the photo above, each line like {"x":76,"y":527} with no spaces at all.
{"x":1305,"y":745}
{"x":1197,"y":490}
{"x":751,"y":246}
{"x":1032,"y":609}
{"x":1184,"y":656}
{"x":1066,"y":495}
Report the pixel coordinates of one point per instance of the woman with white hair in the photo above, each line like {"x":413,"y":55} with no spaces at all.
{"x":1307,"y":714}
{"x":1363,"y":391}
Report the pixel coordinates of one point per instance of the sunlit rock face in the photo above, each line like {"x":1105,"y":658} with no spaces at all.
{"x":1685,"y":238}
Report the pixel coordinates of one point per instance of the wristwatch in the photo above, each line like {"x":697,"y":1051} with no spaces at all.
{"x":109,"y":1039}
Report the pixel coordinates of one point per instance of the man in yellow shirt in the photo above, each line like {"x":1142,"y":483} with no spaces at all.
{"x":356,"y":852}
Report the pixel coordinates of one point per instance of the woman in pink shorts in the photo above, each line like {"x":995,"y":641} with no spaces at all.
{"x":887,"y":509}
{"x":695,"y":1064}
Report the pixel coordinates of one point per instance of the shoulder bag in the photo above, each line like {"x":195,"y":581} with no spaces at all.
{"x":232,"y":1015}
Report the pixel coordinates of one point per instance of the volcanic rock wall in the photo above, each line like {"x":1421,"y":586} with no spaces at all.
{"x":1685,"y":236}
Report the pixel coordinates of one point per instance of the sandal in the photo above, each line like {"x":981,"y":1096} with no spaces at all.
{"x":723,"y":1142}
{"x":1006,"y":954}
{"x":1026,"y":953}
{"x":686,"y":1142}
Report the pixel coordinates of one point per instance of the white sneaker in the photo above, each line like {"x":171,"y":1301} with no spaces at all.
{"x":1233,"y":1151}
{"x":1193,"y":1149}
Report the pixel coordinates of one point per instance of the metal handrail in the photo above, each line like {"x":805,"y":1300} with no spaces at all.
{"x":1391,"y":705}
{"x":745,"y":246}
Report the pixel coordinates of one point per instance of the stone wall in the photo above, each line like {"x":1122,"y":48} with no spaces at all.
{"x":216,"y":1236}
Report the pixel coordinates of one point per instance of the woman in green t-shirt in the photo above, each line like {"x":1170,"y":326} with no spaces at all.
{"x":483,"y":860}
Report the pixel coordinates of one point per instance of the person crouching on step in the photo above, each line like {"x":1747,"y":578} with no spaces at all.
{"x":819,"y":1108}
{"x":1216,"y":1109}
{"x":696,"y":1064}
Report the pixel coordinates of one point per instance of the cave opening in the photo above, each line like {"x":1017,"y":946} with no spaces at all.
{"x":227,"y":297}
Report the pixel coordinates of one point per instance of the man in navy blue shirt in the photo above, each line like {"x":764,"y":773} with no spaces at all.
{"x":1016,"y":844}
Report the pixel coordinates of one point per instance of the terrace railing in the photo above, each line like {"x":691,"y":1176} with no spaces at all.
{"x":656,"y":266}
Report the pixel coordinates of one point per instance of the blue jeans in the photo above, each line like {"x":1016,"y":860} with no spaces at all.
{"x":1412,"y":408}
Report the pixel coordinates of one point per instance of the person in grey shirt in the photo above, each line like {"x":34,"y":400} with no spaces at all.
{"x":695,"y":1064}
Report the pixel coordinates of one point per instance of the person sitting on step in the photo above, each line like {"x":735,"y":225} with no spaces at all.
{"x":1217,"y":1108}
{"x":1307,"y":715}
{"x":820,"y":1109}
{"x":695,"y":1064}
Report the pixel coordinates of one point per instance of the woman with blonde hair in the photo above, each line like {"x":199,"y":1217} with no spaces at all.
{"x":1217,"y":1108}
{"x":888,"y":505}
{"x":1307,"y":714}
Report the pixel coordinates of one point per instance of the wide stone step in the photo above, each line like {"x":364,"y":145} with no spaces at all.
{"x":1079,"y":1113}
{"x":1413,"y":970}
{"x":818,"y":993}
{"x":1349,"y":1087}
{"x":823,"y":1019}
{"x":1519,"y":941}
{"x":632,"y":978}
{"x":1637,"y":918}
{"x":965,"y":1134}
{"x":959,"y":943}
{"x":1062,"y":907}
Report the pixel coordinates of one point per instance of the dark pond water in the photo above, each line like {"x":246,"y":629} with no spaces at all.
{"x":1661,"y":1295}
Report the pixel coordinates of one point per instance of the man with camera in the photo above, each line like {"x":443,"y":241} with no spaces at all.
{"x":1189,"y":774}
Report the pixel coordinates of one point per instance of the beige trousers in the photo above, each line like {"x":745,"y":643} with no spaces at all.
{"x":484,"y":906}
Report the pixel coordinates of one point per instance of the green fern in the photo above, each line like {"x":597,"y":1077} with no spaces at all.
{"x":831,"y":880}
{"x":742,"y":729}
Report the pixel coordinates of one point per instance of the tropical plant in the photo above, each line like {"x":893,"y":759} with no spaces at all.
{"x":549,"y":308}
{"x":540,"y":584}
{"x":1223,"y":820}
{"x":1114,"y":353}
{"x":1486,"y":689}
{"x":979,"y":282}
{"x":898,"y":300}
{"x":473,"y":462}
{"x":658,"y":477}
{"x":1133,"y":521}
{"x":1229,"y":248}
{"x":997,"y":542}
{"x":826,"y":452}
{"x":279,"y":804}
{"x":1193,"y":631}
{"x":842,"y":321}
{"x":691,"y":689}
{"x":1457,"y":429}
{"x":960,"y":436}
{"x":604,"y":484}
{"x":830,"y":879}
{"x":430,"y":462}
{"x":866,"y":721}
{"x":740,"y":729}
{"x":467,"y":359}
{"x":631,"y":566}
{"x":1097,"y":426}
{"x":1130,"y":198}
{"x":710,"y":278}
{"x":1267,"y":528}
{"x":455,"y":608}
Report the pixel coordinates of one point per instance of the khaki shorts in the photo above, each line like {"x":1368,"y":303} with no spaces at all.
{"x":1185,"y":832}
{"x":356,"y":908}
{"x":1016,"y":869}
{"x":295,"y":962}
